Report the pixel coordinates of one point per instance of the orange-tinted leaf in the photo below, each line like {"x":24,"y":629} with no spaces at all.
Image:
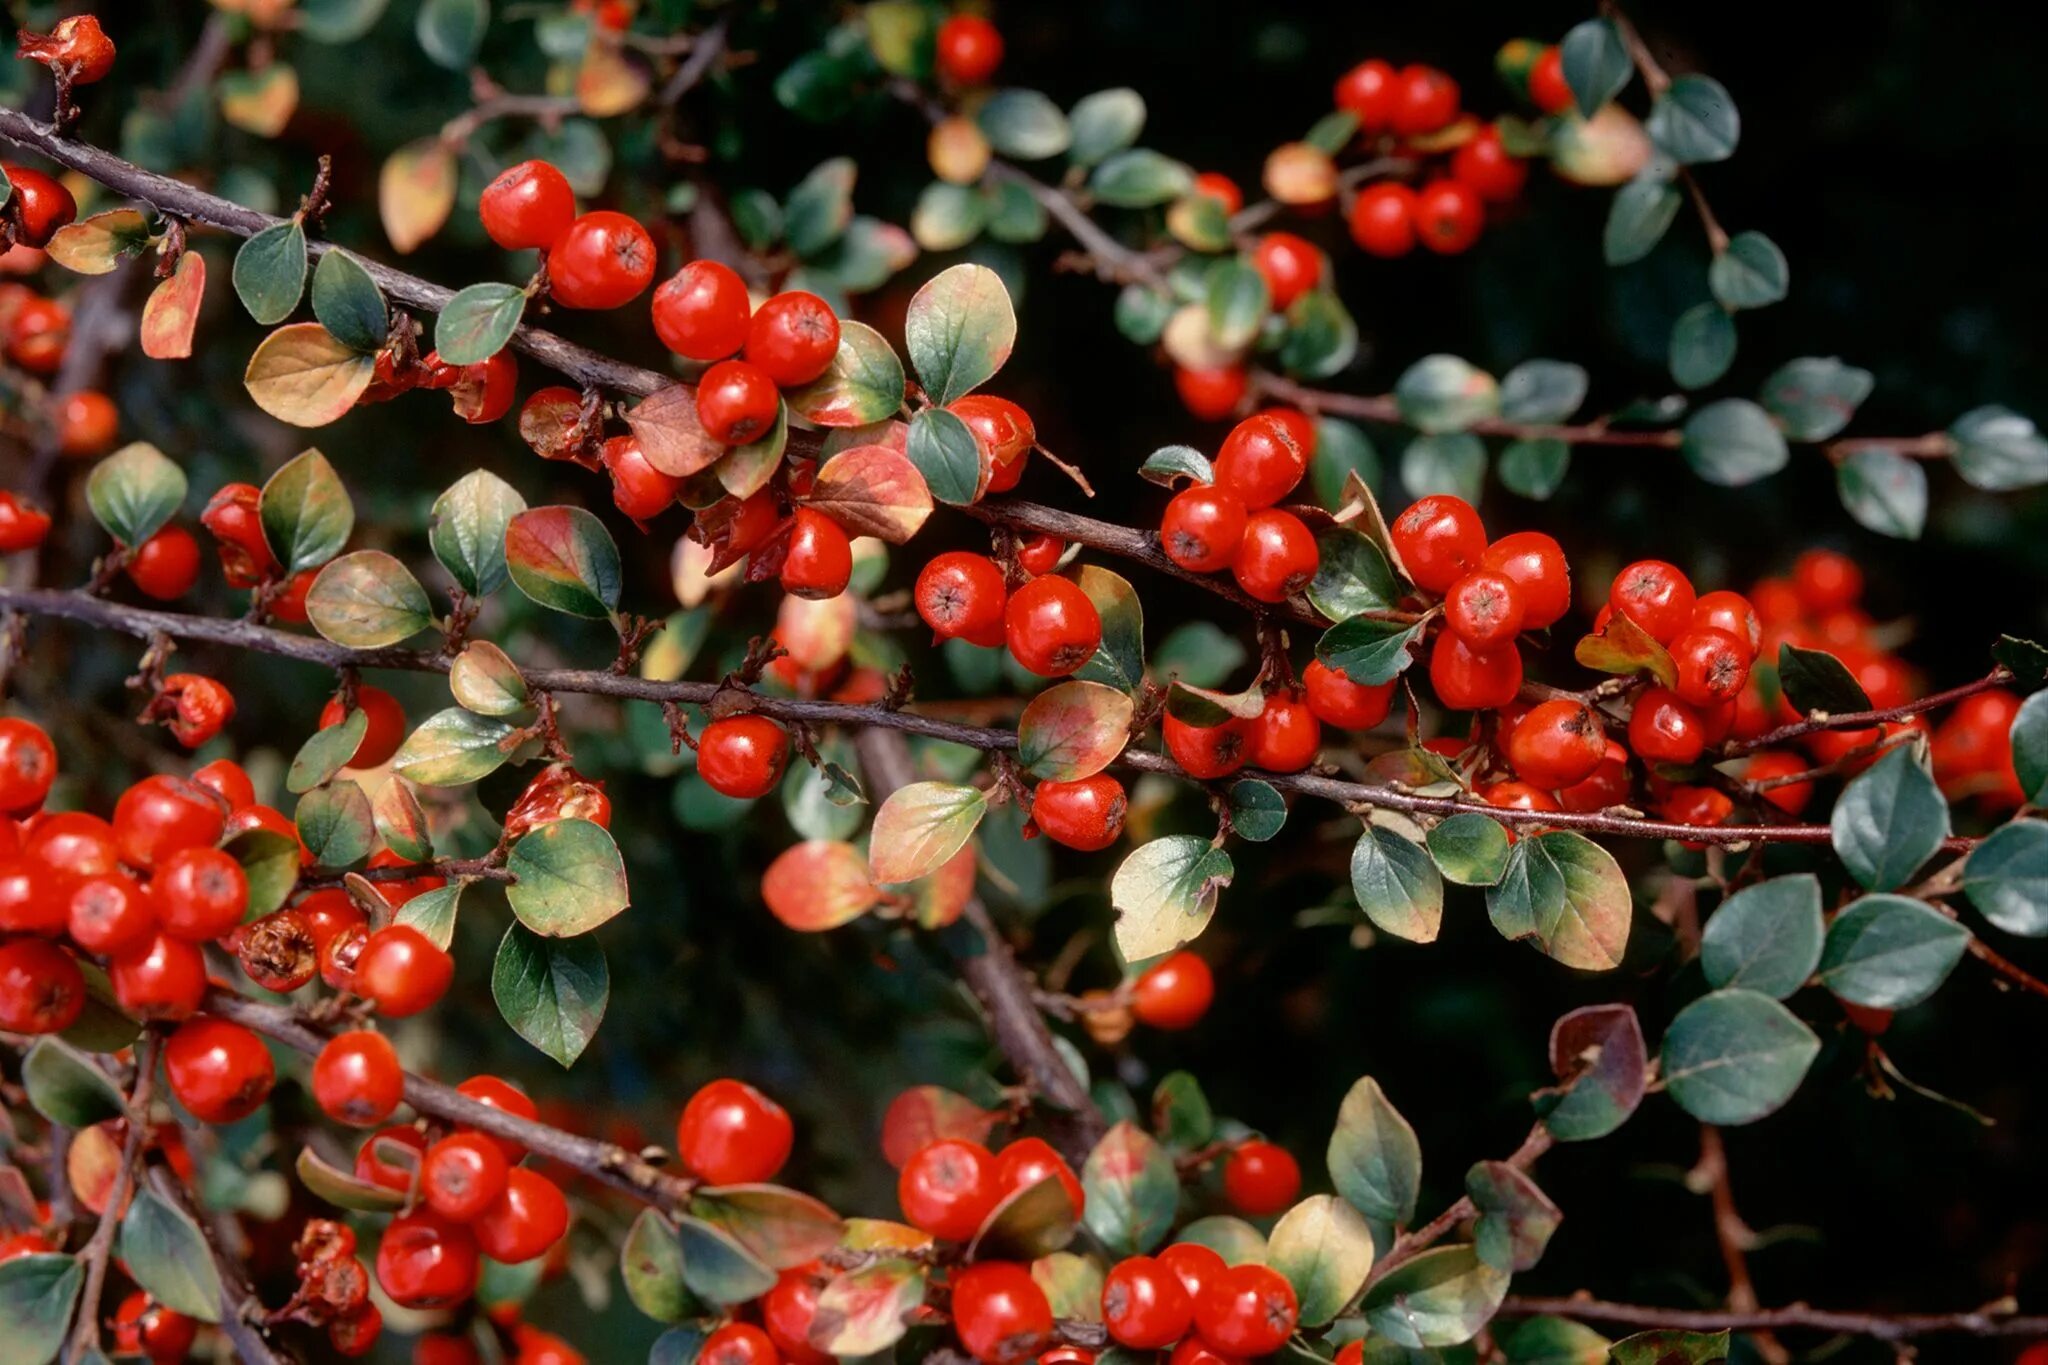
{"x":671,"y":437}
{"x":609,"y":81}
{"x":939,"y":899}
{"x":920,"y":827}
{"x":564,"y":559}
{"x":873,"y":491}
{"x":1072,"y":1285}
{"x":863,"y":384}
{"x":1073,"y":730}
{"x":415,"y":192}
{"x":816,"y":633}
{"x":875,"y":1234}
{"x":260,"y":102}
{"x":172,"y":312}
{"x":864,"y":1312}
{"x":780,"y":1226}
{"x":1625,"y":647}
{"x":924,"y":1114}
{"x":302,"y":375}
{"x":95,"y":245}
{"x":818,"y":884}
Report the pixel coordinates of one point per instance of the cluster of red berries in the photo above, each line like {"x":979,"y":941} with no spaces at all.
{"x":1049,"y":625}
{"x":1233,"y":523}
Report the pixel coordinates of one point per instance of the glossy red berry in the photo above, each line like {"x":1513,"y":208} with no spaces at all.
{"x":1664,"y":729}
{"x":1174,"y":993}
{"x":738,"y":1343}
{"x":1730,"y":612}
{"x":1338,"y":701}
{"x":229,"y":780}
{"x":732,"y":1134}
{"x":961,"y":595}
{"x":1202,"y":528}
{"x":427,"y":1261}
{"x":736,"y":402}
{"x":402,"y":971}
{"x":28,"y":765}
{"x":146,"y":1328}
{"x":462,"y":1176}
{"x":1448,"y":216}
{"x":164,"y":978}
{"x":525,"y":1221}
{"x":1277,"y":557}
{"x":355,"y":1332}
{"x":220,"y":1071}
{"x":1211,"y":393}
{"x":1261,"y":460}
{"x":1826,"y":580}
{"x":160,"y":815}
{"x":527,"y":207}
{"x":200,"y":893}
{"x":1085,"y":814}
{"x":793,"y":338}
{"x":639,"y":490}
{"x":601,"y":260}
{"x":1287,"y":736}
{"x":969,"y":49}
{"x":23,"y":526}
{"x":701,"y":312}
{"x":1249,"y":1311}
{"x":1051,"y":626}
{"x":1425,"y":99}
{"x":1771,"y":767}
{"x":1000,"y":1314}
{"x":948,"y":1188}
{"x":166,"y":565}
{"x":1291,"y":266}
{"x":87,"y":423}
{"x":742,"y":756}
{"x":384,"y":724}
{"x":1367,"y":90}
{"x":1535,"y":564}
{"x":110,"y":913}
{"x":1468,"y":679}
{"x":1004,"y":427}
{"x":1261,"y":1177}
{"x":1029,"y":1160}
{"x":42,"y":989}
{"x":787,"y":1311}
{"x":1484,"y":608}
{"x":1557,"y":744}
{"x":1144,"y":1304}
{"x":1486,"y":167}
{"x":1548,"y":89}
{"x":1607,"y":785}
{"x":819,"y":561}
{"x":1655,"y":595}
{"x":357,"y":1079}
{"x":494,"y":1092}
{"x":44,"y":204}
{"x":1041,"y":554}
{"x":1196,"y":1264}
{"x":1712,"y":665}
{"x":1382,"y":220}
{"x":1439,"y":539}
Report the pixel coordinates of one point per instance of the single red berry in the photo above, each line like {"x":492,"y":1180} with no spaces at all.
{"x":738,"y":1343}
{"x":1548,"y":89}
{"x":200,"y":893}
{"x":1557,"y":744}
{"x":1484,"y":608}
{"x":28,"y":765}
{"x":166,"y":565}
{"x":742,"y":756}
{"x":33,"y":898}
{"x":1382,"y":220}
{"x":968,"y":49}
{"x":164,"y":978}
{"x":1425,"y":100}
{"x":1211,"y":393}
{"x":1260,"y":1178}
{"x":1051,"y":627}
{"x":961,"y":595}
{"x":23,"y":526}
{"x":1664,"y":729}
{"x":384,"y":728}
{"x":701,"y":311}
{"x":1338,"y":701}
{"x":732,"y":1134}
{"x":198,"y":707}
{"x":87,"y":423}
{"x":1207,"y":752}
{"x":220,"y":1071}
{"x":1487,"y":168}
{"x":1608,"y":785}
{"x":73,"y":843}
{"x":1773,"y":765}
{"x":1287,"y":736}
{"x":1468,"y":679}
{"x":1202,"y":528}
{"x":1291,"y":266}
{"x":1221,"y":188}
{"x":401,"y":971}
{"x":1277,"y":558}
{"x":42,"y":989}
{"x":462,"y":1176}
{"x":1029,"y":1160}
{"x":493,"y":1092}
{"x":787,"y":1311}
{"x":79,"y":49}
{"x":819,"y":561}
{"x":601,"y":260}
{"x":1704,"y":806}
{"x":1144,"y":1304}
{"x":355,"y":1332}
{"x":1041,"y":553}
{"x":528,"y":207}
{"x":527,"y":1219}
{"x":1196,"y":1265}
{"x":111,"y":913}
{"x":1248,"y":1311}
{"x":1085,"y":814}
{"x":1000,"y":1314}
{"x":357,"y":1079}
{"x":1535,"y":564}
{"x":1298,"y":425}
{"x":1731,"y":612}
{"x":160,"y":815}
{"x":1261,"y":460}
{"x":736,"y":402}
{"x":1439,"y":539}
{"x":227,"y":779}
{"x":1367,"y":90}
{"x":1712,"y":665}
{"x":144,"y":1327}
{"x":1448,"y":216}
{"x":1654,"y":595}
{"x":639,"y":490}
{"x":1826,"y":580}
{"x":948,"y":1188}
{"x":1174,"y":993}
{"x":44,"y":204}
{"x":793,"y":338}
{"x":1001,"y":425}
{"x":426,"y":1261}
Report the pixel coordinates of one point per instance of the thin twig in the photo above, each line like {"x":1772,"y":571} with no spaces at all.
{"x":1992,"y":1320}
{"x":85,"y":1332}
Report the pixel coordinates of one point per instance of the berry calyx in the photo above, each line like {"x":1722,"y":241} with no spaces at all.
{"x":601,"y":260}
{"x":961,"y":596}
{"x":1484,"y":608}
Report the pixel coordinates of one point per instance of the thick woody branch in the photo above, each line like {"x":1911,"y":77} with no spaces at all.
{"x":1995,"y":1320}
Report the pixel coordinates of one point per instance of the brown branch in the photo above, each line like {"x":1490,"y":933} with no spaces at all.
{"x":1993,"y":1320}
{"x":705,"y":51}
{"x":1859,"y":720}
{"x":2006,"y":967}
{"x":456,"y":132}
{"x":85,"y":1331}
{"x":1385,"y":408}
{"x":1732,"y":1235}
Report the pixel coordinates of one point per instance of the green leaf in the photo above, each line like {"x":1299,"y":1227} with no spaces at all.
{"x":1814,"y":397}
{"x":564,"y":559}
{"x":1735,"y":1056}
{"x":1236,"y":297}
{"x":948,"y":216}
{"x":335,"y":824}
{"x":1542,"y":391}
{"x":37,"y":1294}
{"x":1073,"y":730}
{"x":1999,"y":450}
{"x":167,"y":1255}
{"x":1516,"y":1219}
{"x":433,"y":913}
{"x":467,"y":530}
{"x":552,"y":991}
{"x":1257,"y":810}
{"x":1024,"y":124}
{"x":1397,"y":885}
{"x":1596,"y":64}
{"x":716,"y":1267}
{"x":1884,"y":491}
{"x":863,"y":384}
{"x":1640,"y":214}
{"x":946,"y":453}
{"x":101,"y":1026}
{"x":1442,"y":1297}
{"x":66,"y":1088}
{"x":368,"y":600}
{"x":452,"y":31}
{"x":570,"y":879}
{"x":1568,"y":894}
{"x":1321,"y":337}
{"x":1889,"y":821}
{"x":1165,"y":893}
{"x":2006,"y":878}
{"x":1888,"y":952}
{"x":651,"y":1265}
{"x":1670,"y":1346}
{"x":270,"y":272}
{"x":1013,"y":215}
{"x":1352,"y":575}
{"x":349,"y":304}
{"x":478,"y":322}
{"x":1453,"y":463}
{"x":1702,"y":345}
{"x":338,"y":21}
{"x":959,"y":330}
{"x":900,"y":34}
{"x":920,"y":827}
{"x":1695,"y":120}
{"x":1733,"y":442}
{"x":1534,"y":468}
{"x":1766,"y":937}
{"x":1553,"y":1341}
{"x":1445,"y":393}
{"x":326,"y":752}
{"x":306,"y":512}
{"x":1103,"y":123}
{"x":1141,"y":313}
{"x":1375,"y":1160}
{"x":1368,"y":651}
{"x":1751,"y":273}
{"x":1120,"y":659}
{"x":1324,"y":1248}
{"x":1470,"y":849}
{"x":454,"y":747}
{"x":1140,"y":179}
{"x":1180,"y":1112}
{"x":1235,"y":1240}
{"x":2027,"y":660}
{"x":135,"y":492}
{"x":1198,"y":653}
{"x":1814,"y":681}
{"x":821,"y":206}
{"x":1131,"y":1191}
{"x":270,"y":862}
{"x":1599,"y":1058}
{"x":1169,"y":464}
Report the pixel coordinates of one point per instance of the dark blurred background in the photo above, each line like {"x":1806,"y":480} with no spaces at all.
{"x":1893,"y":150}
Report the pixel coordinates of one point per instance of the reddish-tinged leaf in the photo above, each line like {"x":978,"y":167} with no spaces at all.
{"x":864,"y":1312}
{"x":1602,"y":1066}
{"x":780,"y":1226}
{"x":873,"y":491}
{"x":817,"y":633}
{"x":920,"y":827}
{"x":173,"y":310}
{"x":939,"y":899}
{"x":671,"y":437}
{"x":1028,"y":1223}
{"x":818,"y":884}
{"x":889,"y":432}
{"x":564,"y":559}
{"x":1073,"y":730}
{"x":545,"y":423}
{"x":260,"y":102}
{"x":925,"y":1114}
{"x":416,"y":191}
{"x":1072,"y":1285}
{"x":1625,"y":647}
{"x":95,"y":245}
{"x":300,"y":374}
{"x":863,"y":384}
{"x":875,"y":1234}
{"x":610,"y":81}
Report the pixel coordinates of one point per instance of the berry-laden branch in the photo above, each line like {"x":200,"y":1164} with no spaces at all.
{"x":1993,"y":1320}
{"x":144,"y":623}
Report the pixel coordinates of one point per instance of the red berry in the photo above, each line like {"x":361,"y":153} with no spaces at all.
{"x":527,"y":1219}
{"x":1826,"y":581}
{"x":1291,"y":266}
{"x":22,"y":525}
{"x":1174,"y":993}
{"x":1487,"y":168}
{"x":1277,"y":557}
{"x":1367,"y":90}
{"x":1202,"y":528}
{"x":44,"y":204}
{"x":701,"y":311}
{"x":1144,"y":1304}
{"x":738,"y":1343}
{"x":42,"y":989}
{"x":1041,"y":553}
{"x":1206,"y":752}
{"x":495,"y":1093}
{"x":1287,"y":736}
{"x":73,"y":843}
{"x":199,"y":707}
{"x":787,"y":1311}
{"x":1772,"y":764}
{"x":1085,"y":814}
{"x":968,"y":49}
{"x":1211,"y":394}
{"x":160,"y":815}
{"x":81,"y":49}
{"x":948,"y":1188}
{"x":110,"y":913}
{"x":220,"y":1071}
{"x":355,"y":1333}
{"x":1548,"y":90}
{"x":961,"y":596}
{"x":1248,"y":1311}
{"x":1557,"y":744}
{"x":463,"y":1175}
{"x":793,"y":338}
{"x":1425,"y":99}
{"x":742,"y":756}
{"x":1608,"y":785}
{"x":736,"y":402}
{"x":1029,"y":1160}
{"x":1654,"y":595}
{"x":1468,"y":679}
{"x":1000,"y":1314}
{"x":1712,"y":666}
{"x":1051,"y":626}
{"x":639,"y":490}
{"x":1439,"y":540}
{"x":147,"y":1328}
{"x":1535,"y":564}
{"x":1221,"y":188}
{"x":527,"y":207}
{"x":32,"y":899}
{"x":1730,"y":612}
{"x":426,"y":1261}
{"x":1261,"y":460}
{"x":1382,"y":219}
{"x":1448,"y":216}
{"x":166,"y":565}
{"x":819,"y":561}
{"x":229,"y":780}
{"x":200,"y":893}
{"x":1001,"y":425}
{"x":1484,"y":608}
{"x":1664,"y":729}
{"x":28,"y":765}
{"x":1261,"y":1178}
{"x":357,"y":1079}
{"x":601,"y":260}
{"x":402,"y":971}
{"x":732,"y":1134}
{"x":164,"y":978}
{"x":87,"y":423}
{"x":1196,"y":1264}
{"x":1338,"y":701}
{"x":1696,"y":806}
